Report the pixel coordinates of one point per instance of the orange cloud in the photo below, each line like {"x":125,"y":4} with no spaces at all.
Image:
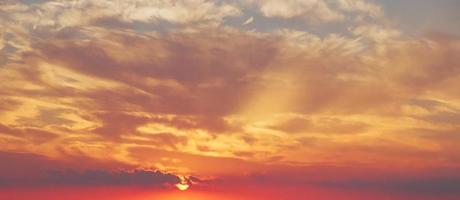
{"x":150,"y":87}
{"x":194,"y":88}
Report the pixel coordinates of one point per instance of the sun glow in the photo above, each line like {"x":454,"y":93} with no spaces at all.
{"x":182,"y":186}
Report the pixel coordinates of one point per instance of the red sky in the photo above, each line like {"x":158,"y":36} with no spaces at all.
{"x":246,"y":99}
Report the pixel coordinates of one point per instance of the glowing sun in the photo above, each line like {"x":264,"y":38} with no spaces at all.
{"x":182,"y":186}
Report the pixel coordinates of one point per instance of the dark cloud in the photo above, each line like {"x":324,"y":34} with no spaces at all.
{"x":109,"y":178}
{"x":421,"y":182}
{"x":20,"y":169}
{"x":437,"y":186}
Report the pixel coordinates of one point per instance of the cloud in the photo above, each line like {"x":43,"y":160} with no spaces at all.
{"x":147,"y":77}
{"x":116,"y":124}
{"x":224,"y":87}
{"x":106,"y":178}
{"x":310,"y":10}
{"x":437,"y":186}
{"x":79,"y":13}
{"x":248,"y":21}
{"x":8,"y":104}
{"x":318,"y":12}
{"x":182,"y":83}
{"x":20,"y":169}
{"x":29,"y":135}
{"x":361,"y":6}
{"x":387,"y":183}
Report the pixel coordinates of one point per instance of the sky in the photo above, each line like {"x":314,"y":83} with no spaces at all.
{"x":220,"y":99}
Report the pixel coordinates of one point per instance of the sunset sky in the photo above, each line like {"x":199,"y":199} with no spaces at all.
{"x":229,"y":100}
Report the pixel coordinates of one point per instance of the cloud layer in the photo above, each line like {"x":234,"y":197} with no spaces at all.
{"x":26,"y":170}
{"x":183,"y":86}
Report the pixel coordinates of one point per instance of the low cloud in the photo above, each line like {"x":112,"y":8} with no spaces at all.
{"x":21,"y":170}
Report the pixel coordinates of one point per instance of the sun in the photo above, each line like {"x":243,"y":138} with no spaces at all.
{"x":182,"y":186}
{"x":184,"y":183}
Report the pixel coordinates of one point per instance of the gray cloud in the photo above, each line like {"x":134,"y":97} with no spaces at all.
{"x":19,"y":169}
